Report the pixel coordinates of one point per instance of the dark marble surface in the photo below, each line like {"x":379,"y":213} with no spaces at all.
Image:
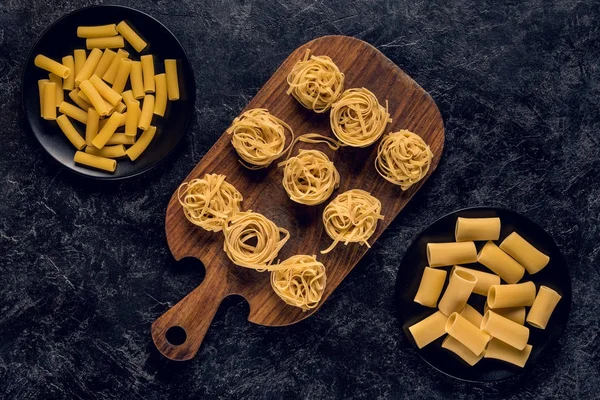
{"x":84,"y":267}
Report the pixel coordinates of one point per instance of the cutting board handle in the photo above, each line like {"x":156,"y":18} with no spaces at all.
{"x":179,"y":332}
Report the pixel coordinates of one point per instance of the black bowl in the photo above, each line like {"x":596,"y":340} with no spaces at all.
{"x":555,"y":275}
{"x":60,"y":39}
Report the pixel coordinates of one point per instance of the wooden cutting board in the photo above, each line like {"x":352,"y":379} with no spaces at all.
{"x":410,"y":108}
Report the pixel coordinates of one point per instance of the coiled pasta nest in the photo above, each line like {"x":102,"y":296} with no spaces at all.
{"x":357,"y":119}
{"x":299,"y":281}
{"x":351,"y":218}
{"x":209,"y":201}
{"x":403,"y":158}
{"x":258,"y":137}
{"x":310,"y":177}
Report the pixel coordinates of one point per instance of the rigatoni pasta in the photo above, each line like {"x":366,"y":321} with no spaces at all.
{"x":543,"y":307}
{"x":105,"y":61}
{"x":499,"y":350}
{"x":516,"y":314}
{"x":122,"y":75}
{"x":69,"y":81}
{"x":504,"y":329}
{"x":442,"y":254}
{"x":74,"y":112}
{"x":484,"y":279}
{"x":111,"y":72}
{"x":461,"y":350}
{"x":114,"y":151}
{"x":91,"y":128}
{"x":429,"y":329}
{"x":59,"y":95}
{"x":172,"y":79}
{"x":49,"y":100}
{"x":97,"y":31}
{"x":500,"y":263}
{"x":467,"y":333}
{"x":458,"y":291}
{"x":80,"y":56}
{"x":70,"y":132}
{"x":474,"y":229}
{"x":107,"y":130}
{"x":141,"y":144}
{"x":112,"y":42}
{"x":471,"y":314}
{"x":137,"y":80}
{"x":160,"y":102}
{"x":52,"y":66}
{"x":515,"y":295}
{"x":41,"y":92}
{"x":131,"y":36}
{"x":89,"y":66}
{"x":97,"y":162}
{"x":430,"y":287}
{"x":148,"y":72}
{"x":527,"y":255}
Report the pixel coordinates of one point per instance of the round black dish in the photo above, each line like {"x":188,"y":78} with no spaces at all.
{"x":555,"y":275}
{"x":60,"y":39}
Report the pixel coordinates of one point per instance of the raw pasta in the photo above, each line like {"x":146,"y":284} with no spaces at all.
{"x":94,"y":98}
{"x":69,"y":81}
{"x":73,"y":111}
{"x":43,"y":62}
{"x":310,"y":177}
{"x":106,"y":91}
{"x":516,"y":314}
{"x":430,"y":288}
{"x":351,"y":218}
{"x":133,"y":117}
{"x":49,"y":100}
{"x":466,"y":333}
{"x":93,"y":161}
{"x":457,"y":293}
{"x":105,"y":61}
{"x":70,"y":132}
{"x":429,"y":329}
{"x":131,"y":36}
{"x":107,"y":130}
{"x":515,"y":295}
{"x":471,"y":315}
{"x":111,"y":42}
{"x":114,"y":151}
{"x":474,"y":229}
{"x":316,"y":82}
{"x":81,"y":103}
{"x":160,"y":103}
{"x":121,"y":138}
{"x":111,"y":72}
{"x":299,"y":281}
{"x":461,"y":350}
{"x":146,"y":113}
{"x":141,"y":144}
{"x":122,"y":75}
{"x":484,"y":279}
{"x":148,"y":72}
{"x":504,"y":329}
{"x":172,"y":79}
{"x":96,"y":31}
{"x":403,"y":158}
{"x":357,"y":119}
{"x":137,"y":80}
{"x":499,"y":350}
{"x":525,"y":253}
{"x":209,"y":201}
{"x":91,"y":128}
{"x":80,"y":56}
{"x":58,"y":92}
{"x":543,"y":307}
{"x":88,"y":67}
{"x":41,"y":93}
{"x":442,"y":254}
{"x":252,"y":240}
{"x":500,"y":263}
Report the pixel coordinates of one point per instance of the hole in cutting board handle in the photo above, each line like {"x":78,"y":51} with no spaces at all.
{"x":176,"y":335}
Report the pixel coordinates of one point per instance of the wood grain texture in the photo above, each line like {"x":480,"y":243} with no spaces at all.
{"x":410,"y":108}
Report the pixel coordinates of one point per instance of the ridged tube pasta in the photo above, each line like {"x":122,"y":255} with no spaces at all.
{"x":49,"y":100}
{"x":114,"y":151}
{"x":111,"y":72}
{"x":500,"y":263}
{"x":209,"y":201}
{"x":430,"y":288}
{"x":111,"y":42}
{"x":315,"y":82}
{"x":504,"y":329}
{"x":525,"y":253}
{"x":428,"y":329}
{"x":515,"y":295}
{"x":471,"y":314}
{"x":160,"y":102}
{"x":73,"y":111}
{"x":461,"y":350}
{"x":90,"y":160}
{"x":121,"y":138}
{"x":89,"y":66}
{"x":146,"y":113}
{"x":242,"y":229}
{"x":299,"y":281}
{"x":97,"y":31}
{"x":133,"y":117}
{"x":69,"y":81}
{"x":148,"y":72}
{"x":466,"y":333}
{"x":484,"y":279}
{"x":107,"y":130}
{"x":106,"y":91}
{"x":107,"y":57}
{"x":122,"y":75}
{"x":357,"y":119}
{"x":142,"y":143}
{"x":137,"y":80}
{"x":91,"y":128}
{"x":516,"y":314}
{"x":43,"y":62}
{"x":457,"y":293}
{"x":543,"y":307}
{"x":41,"y":93}
{"x":310,"y":177}
{"x":80,"y":56}
{"x":443,"y":254}
{"x":172,"y":79}
{"x":499,"y":350}
{"x":131,"y":36}
{"x":59,"y":94}
{"x":70,"y":132}
{"x":128,"y":96}
{"x":81,"y":103}
{"x":351,"y":218}
{"x":258,"y":137}
{"x":94,"y":97}
{"x":474,"y":229}
{"x":403,"y":158}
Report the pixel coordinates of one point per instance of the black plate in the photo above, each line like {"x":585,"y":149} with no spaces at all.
{"x":60,"y":39}
{"x":555,"y":275}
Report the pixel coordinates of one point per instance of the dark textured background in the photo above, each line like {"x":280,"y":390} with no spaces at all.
{"x":84,"y":267}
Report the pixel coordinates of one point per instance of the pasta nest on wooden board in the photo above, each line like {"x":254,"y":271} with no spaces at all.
{"x":209,"y":201}
{"x":357,"y":119}
{"x":299,"y":281}
{"x":316,"y":82}
{"x":403,"y":158}
{"x":351,"y":218}
{"x":259,"y":138}
{"x":310,"y":177}
{"x":252,"y":240}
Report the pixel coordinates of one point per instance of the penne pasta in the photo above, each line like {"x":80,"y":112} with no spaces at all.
{"x":131,"y":36}
{"x":500,"y":263}
{"x":457,"y":293}
{"x":70,"y":132}
{"x":461,"y":350}
{"x":88,"y":68}
{"x":515,"y":295}
{"x":474,"y":229}
{"x":499,"y":350}
{"x":442,"y":254}
{"x":141,"y":144}
{"x":81,"y":103}
{"x":90,"y":160}
{"x":148,"y":72}
{"x":160,"y":102}
{"x":137,"y":80}
{"x":80,"y":57}
{"x":107,"y":56}
{"x":516,"y":314}
{"x":133,"y":117}
{"x":525,"y":253}
{"x":69,"y":81}
{"x":41,"y":92}
{"x":97,"y":31}
{"x":484,"y":279}
{"x":107,"y":130}
{"x":91,"y":129}
{"x":49,"y":101}
{"x":466,"y":333}
{"x":429,"y":329}
{"x":59,"y":94}
{"x":43,"y":62}
{"x":111,"y":72}
{"x":122,"y":75}
{"x":146,"y":114}
{"x":105,"y":91}
{"x":94,"y":97}
{"x":504,"y":329}
{"x":471,"y":315}
{"x":111,"y":42}
{"x":430,"y":287}
{"x":73,"y":111}
{"x":121,"y":138}
{"x":543,"y":307}
{"x":172,"y":79}
{"x":115,"y":151}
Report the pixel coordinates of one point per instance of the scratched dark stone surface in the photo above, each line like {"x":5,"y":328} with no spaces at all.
{"x":84,"y":267}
